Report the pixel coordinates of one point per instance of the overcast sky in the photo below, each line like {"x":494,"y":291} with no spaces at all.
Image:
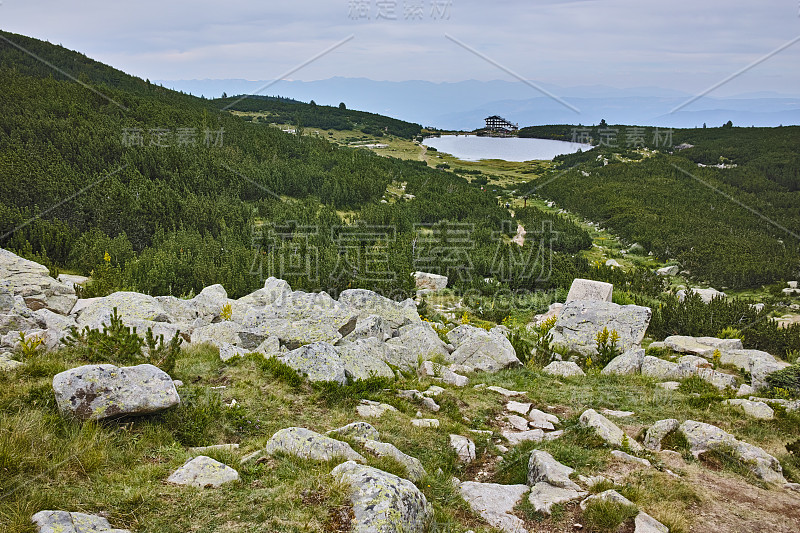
{"x":687,"y":45}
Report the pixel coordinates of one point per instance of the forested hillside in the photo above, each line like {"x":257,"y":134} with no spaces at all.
{"x":181,"y":194}
{"x":723,"y":202}
{"x":282,"y":111}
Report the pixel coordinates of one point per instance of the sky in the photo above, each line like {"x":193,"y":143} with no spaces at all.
{"x":685,"y":45}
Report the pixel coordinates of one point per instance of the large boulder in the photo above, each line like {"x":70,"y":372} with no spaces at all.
{"x":704,"y":437}
{"x":33,"y":283}
{"x":94,"y":392}
{"x":563,"y":369}
{"x":367,"y":303}
{"x":363,"y":359}
{"x":628,"y":363}
{"x":477,"y":348}
{"x":705,"y":294}
{"x":210,"y":302}
{"x":371,"y":326}
{"x":585,"y":289}
{"x":203,"y":472}
{"x":64,"y":522}
{"x":657,"y":368}
{"x":318,"y":361}
{"x":307,"y":444}
{"x":131,"y":306}
{"x":703,"y":346}
{"x":434,"y":282}
{"x":383,"y":502}
{"x":274,"y":290}
{"x":416,"y":342}
{"x":580,"y":321}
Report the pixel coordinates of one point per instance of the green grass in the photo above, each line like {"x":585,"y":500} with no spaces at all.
{"x":119,"y":466}
{"x":605,"y":516}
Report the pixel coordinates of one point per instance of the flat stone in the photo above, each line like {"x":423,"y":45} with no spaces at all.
{"x":370,"y":409}
{"x":563,"y":369}
{"x":540,"y":419}
{"x":519,"y":423}
{"x":383,"y":502}
{"x":65,"y":522}
{"x":518,"y":407}
{"x":669,"y":385}
{"x":758,"y":410}
{"x":202,"y":450}
{"x":307,"y":444}
{"x":425,"y":423}
{"x":318,"y":361}
{"x":518,"y":437}
{"x":495,"y":503}
{"x":203,"y":472}
{"x":544,"y":495}
{"x":505,"y":392}
{"x":617,"y":414}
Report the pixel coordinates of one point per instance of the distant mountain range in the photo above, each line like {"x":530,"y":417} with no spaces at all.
{"x":463,"y":105}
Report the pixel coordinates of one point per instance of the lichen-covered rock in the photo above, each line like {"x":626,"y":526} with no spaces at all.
{"x":464,"y":447}
{"x":94,"y":392}
{"x":383,"y":502}
{"x":414,"y":469}
{"x":544,"y":495}
{"x":703,"y":346}
{"x":656,"y":433}
{"x":543,"y":467}
{"x":371,"y":326}
{"x":564,"y":369}
{"x":229,"y":351}
{"x":65,"y":522}
{"x":518,"y":437}
{"x":585,"y":289}
{"x":367,"y":303}
{"x":356,"y":430}
{"x":219,"y":334}
{"x":318,"y":361}
{"x":415,"y":342}
{"x":704,"y":437}
{"x":607,"y":430}
{"x":274,"y":289}
{"x":363,"y":359}
{"x":495,"y":503}
{"x":33,"y":283}
{"x":7,"y":363}
{"x":580,"y":321}
{"x":758,"y":410}
{"x":370,"y":409}
{"x":705,"y":294}
{"x":130,"y":306}
{"x":488,"y":351}
{"x":202,"y":472}
{"x":307,"y":444}
{"x":426,"y":280}
{"x":657,"y":368}
{"x":628,"y":363}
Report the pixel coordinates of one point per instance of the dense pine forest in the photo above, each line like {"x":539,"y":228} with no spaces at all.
{"x":724,"y":202}
{"x":182,"y":194}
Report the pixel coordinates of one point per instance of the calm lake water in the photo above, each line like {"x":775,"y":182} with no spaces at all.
{"x":473,"y":148}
